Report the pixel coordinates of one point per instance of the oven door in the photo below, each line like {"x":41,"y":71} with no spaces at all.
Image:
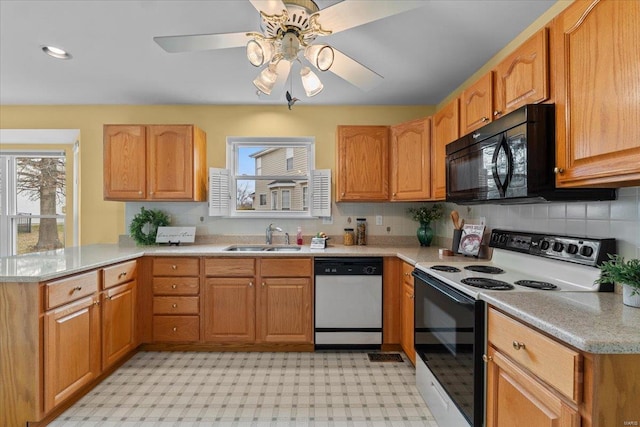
{"x":492,"y":169}
{"x":450,"y":340}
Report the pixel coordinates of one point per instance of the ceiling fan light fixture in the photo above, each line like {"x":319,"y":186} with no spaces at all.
{"x":320,"y":55}
{"x":266,"y":79}
{"x":311,"y":82}
{"x":259,"y":52}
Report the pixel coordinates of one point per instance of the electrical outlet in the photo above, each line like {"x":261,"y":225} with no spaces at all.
{"x":378,"y":219}
{"x":483,"y":220}
{"x":327,"y":220}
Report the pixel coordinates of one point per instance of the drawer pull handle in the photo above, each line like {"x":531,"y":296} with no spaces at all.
{"x":174,"y":286}
{"x":174,"y":305}
{"x":121,"y":275}
{"x":484,"y":119}
{"x":175,"y":329}
{"x":486,"y":359}
{"x":77,"y":288}
{"x":518,"y":345}
{"x":174,"y":267}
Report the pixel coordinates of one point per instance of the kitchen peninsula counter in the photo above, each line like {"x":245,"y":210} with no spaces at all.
{"x":592,"y":322}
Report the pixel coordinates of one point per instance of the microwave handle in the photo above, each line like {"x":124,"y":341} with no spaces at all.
{"x":502,"y":186}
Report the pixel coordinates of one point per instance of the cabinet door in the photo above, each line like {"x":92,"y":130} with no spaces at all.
{"x":411,"y":160}
{"x":514,"y":398}
{"x":445,"y":130}
{"x":598,"y":91}
{"x":118,"y":323}
{"x":71,"y":349}
{"x":229,"y":310}
{"x":523,"y":77}
{"x":362,"y":164}
{"x":124,"y":162}
{"x":284,"y":310}
{"x":476,"y":105}
{"x":408,"y":322}
{"x":170,"y":167}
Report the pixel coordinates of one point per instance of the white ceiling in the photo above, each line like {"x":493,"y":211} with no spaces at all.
{"x":423,"y":54}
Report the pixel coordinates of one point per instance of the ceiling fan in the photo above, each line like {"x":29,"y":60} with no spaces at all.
{"x":289,"y":30}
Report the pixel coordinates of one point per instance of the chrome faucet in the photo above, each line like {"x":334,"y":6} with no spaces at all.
{"x":270,"y":230}
{"x":286,"y":238}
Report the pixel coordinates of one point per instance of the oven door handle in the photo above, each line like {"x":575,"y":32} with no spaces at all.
{"x":448,"y":291}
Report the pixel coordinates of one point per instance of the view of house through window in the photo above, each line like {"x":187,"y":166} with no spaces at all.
{"x":272,"y":174}
{"x":33,"y":202}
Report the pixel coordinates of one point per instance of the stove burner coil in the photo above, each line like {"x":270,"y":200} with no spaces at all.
{"x":446,"y":268}
{"x":536,"y":284}
{"x":491,"y":284}
{"x":489,"y":269}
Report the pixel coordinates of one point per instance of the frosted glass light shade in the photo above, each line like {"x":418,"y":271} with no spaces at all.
{"x":311,"y":82}
{"x":266,"y":80}
{"x":259,"y":51}
{"x":320,"y":55}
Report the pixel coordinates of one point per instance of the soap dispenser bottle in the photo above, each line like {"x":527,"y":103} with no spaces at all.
{"x":299,"y":236}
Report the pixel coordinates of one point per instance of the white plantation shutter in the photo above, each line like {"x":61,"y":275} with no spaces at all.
{"x":320,"y":202}
{"x":219,"y":196}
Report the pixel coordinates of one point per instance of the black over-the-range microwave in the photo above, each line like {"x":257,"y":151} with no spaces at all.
{"x":511,"y":160}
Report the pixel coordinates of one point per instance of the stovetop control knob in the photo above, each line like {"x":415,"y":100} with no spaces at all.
{"x":572,"y":249}
{"x":503,"y":239}
{"x":586,"y":251}
{"x":557,"y":247}
{"x":544,"y":245}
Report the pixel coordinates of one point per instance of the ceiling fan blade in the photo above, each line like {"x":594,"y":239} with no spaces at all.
{"x":352,"y":13}
{"x":354,"y":72}
{"x":191,"y":43}
{"x":270,"y":7}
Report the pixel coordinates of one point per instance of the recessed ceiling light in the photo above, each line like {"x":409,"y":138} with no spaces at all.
{"x":56,"y":52}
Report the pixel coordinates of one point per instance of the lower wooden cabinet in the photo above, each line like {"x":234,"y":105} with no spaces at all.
{"x":118,"y":322}
{"x":71,"y":349}
{"x":408,"y":303}
{"x":284,"y":313}
{"x":229,"y":309}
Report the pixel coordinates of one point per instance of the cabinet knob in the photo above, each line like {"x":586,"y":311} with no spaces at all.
{"x":486,"y":359}
{"x":96,"y":303}
{"x":150,"y":192}
{"x":343,"y":194}
{"x":174,"y":267}
{"x":518,"y":345}
{"x":175,"y":329}
{"x":263,"y":284}
{"x":406,"y":274}
{"x":558,"y":170}
{"x":140,"y":193}
{"x":412,"y":296}
{"x":174,"y":305}
{"x":496,"y":113}
{"x":110,"y":297}
{"x":174,"y":286}
{"x":251,"y":284}
{"x":484,"y":119}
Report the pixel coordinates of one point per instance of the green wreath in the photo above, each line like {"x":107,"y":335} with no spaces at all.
{"x":152,"y":218}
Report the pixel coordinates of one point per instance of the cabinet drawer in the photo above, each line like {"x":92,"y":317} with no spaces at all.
{"x":176,"y":305}
{"x":71,"y":288}
{"x":176,"y":328}
{"x":176,"y":285}
{"x":407,"y":278}
{"x":554,"y":363}
{"x":176,"y":266}
{"x":285,"y":267}
{"x":118,"y":274}
{"x":230,"y":267}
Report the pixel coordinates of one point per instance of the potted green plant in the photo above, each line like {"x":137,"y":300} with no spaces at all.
{"x":627,"y":273}
{"x":424,"y":215}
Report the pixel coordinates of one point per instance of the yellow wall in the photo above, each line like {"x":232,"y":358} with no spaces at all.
{"x":103,"y":222}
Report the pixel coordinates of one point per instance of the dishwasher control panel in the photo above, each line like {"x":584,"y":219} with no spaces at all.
{"x":348,"y":266}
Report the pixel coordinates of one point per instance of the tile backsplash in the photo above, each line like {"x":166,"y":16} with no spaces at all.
{"x":619,"y":219}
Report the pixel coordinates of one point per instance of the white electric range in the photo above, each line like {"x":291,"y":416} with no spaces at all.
{"x":450,"y":317}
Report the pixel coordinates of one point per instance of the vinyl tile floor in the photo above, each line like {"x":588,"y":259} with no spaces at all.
{"x":253,"y":389}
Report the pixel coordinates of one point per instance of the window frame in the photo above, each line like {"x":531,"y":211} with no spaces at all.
{"x":233,"y":142}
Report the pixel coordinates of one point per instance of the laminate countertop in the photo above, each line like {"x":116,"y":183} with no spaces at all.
{"x":593,"y":322}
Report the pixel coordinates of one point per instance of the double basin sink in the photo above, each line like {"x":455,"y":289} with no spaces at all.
{"x":262,"y":248}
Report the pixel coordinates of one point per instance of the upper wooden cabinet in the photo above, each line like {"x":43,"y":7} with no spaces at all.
{"x":476,"y":105}
{"x":155,"y":162}
{"x":596,"y":45}
{"x":411,"y":160}
{"x":445,"y":130}
{"x":362,"y":163}
{"x":522,"y":77}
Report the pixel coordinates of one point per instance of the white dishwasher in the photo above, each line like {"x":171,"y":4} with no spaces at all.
{"x":348,"y":302}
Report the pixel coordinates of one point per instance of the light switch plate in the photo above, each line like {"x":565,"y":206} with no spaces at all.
{"x":327,"y":220}
{"x":378,"y":219}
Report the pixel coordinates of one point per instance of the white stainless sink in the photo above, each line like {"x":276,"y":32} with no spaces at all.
{"x":261,"y":248}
